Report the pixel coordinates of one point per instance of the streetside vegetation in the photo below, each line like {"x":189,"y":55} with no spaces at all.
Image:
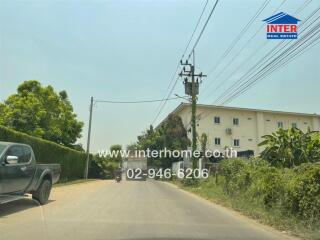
{"x":72,"y":161}
{"x":287,"y":199}
{"x":44,"y":119}
{"x":291,"y":147}
{"x":171,"y":135}
{"x":104,"y":167}
{"x":281,"y":188}
{"x":41,"y":112}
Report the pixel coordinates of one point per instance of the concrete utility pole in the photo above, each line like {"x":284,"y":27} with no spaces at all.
{"x":88,"y":141}
{"x":193,"y":110}
{"x":192,"y":89}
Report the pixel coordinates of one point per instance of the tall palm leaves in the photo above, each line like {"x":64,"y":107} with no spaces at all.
{"x":291,"y":147}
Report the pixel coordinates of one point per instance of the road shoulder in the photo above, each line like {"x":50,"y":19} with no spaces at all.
{"x":233,"y":213}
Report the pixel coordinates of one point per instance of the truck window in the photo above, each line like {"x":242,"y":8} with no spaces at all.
{"x":27,"y":155}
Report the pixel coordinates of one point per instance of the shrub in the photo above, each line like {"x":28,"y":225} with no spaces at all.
{"x":254,"y":178}
{"x":236,"y":174}
{"x":72,"y":162}
{"x":191,"y":182}
{"x":102,"y":168}
{"x":266,"y":185}
{"x":303,"y":192}
{"x":295,"y":191}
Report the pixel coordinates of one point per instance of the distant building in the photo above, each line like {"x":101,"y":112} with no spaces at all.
{"x":242,"y":128}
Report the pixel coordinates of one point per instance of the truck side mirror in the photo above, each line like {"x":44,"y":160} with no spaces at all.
{"x":12,"y":160}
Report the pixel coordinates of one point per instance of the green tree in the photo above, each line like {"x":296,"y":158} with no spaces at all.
{"x":104,"y":166}
{"x":151,"y":139}
{"x":175,"y":134}
{"x":171,"y":134}
{"x":116,"y":149}
{"x":132,"y":147}
{"x":174,"y":138}
{"x":291,"y":147}
{"x":40,"y":111}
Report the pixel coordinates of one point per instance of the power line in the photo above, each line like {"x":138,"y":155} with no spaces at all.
{"x":239,"y":36}
{"x":237,"y":55}
{"x":306,"y":3}
{"x":203,"y":28}
{"x":134,"y":102}
{"x":263,"y":45}
{"x":265,"y":74}
{"x":161,"y":106}
{"x":282,"y":59}
{"x":261,"y":61}
{"x":300,"y":52}
{"x":274,"y":63}
{"x":280,"y":63}
{"x":195,"y":29}
{"x":266,"y":57}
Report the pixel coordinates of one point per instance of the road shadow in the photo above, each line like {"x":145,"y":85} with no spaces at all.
{"x":7,"y":209}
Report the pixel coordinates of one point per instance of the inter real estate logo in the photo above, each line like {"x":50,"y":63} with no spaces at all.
{"x":282,"y":26}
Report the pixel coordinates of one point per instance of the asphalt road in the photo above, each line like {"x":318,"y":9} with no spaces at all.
{"x":128,"y":210}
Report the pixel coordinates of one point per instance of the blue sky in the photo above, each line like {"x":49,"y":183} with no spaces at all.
{"x":128,"y":50}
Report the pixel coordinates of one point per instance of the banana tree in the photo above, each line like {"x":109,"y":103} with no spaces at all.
{"x":291,"y":147}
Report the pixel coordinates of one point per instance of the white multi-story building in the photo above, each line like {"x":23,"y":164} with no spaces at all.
{"x":242,"y":128}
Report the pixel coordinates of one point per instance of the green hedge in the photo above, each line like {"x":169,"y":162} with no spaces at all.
{"x":72,"y":162}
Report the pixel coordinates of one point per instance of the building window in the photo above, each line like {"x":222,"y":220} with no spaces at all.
{"x":294,"y":125}
{"x":217,"y":120}
{"x":235,"y":121}
{"x":280,"y":124}
{"x":217,"y":141}
{"x":236,"y":142}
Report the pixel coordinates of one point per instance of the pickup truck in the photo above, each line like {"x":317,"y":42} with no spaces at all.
{"x":20,"y":175}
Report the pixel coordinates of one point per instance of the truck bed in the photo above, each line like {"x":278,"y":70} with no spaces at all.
{"x":55,"y":168}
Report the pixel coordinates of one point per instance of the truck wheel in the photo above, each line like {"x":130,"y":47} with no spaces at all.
{"x":43,"y":192}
